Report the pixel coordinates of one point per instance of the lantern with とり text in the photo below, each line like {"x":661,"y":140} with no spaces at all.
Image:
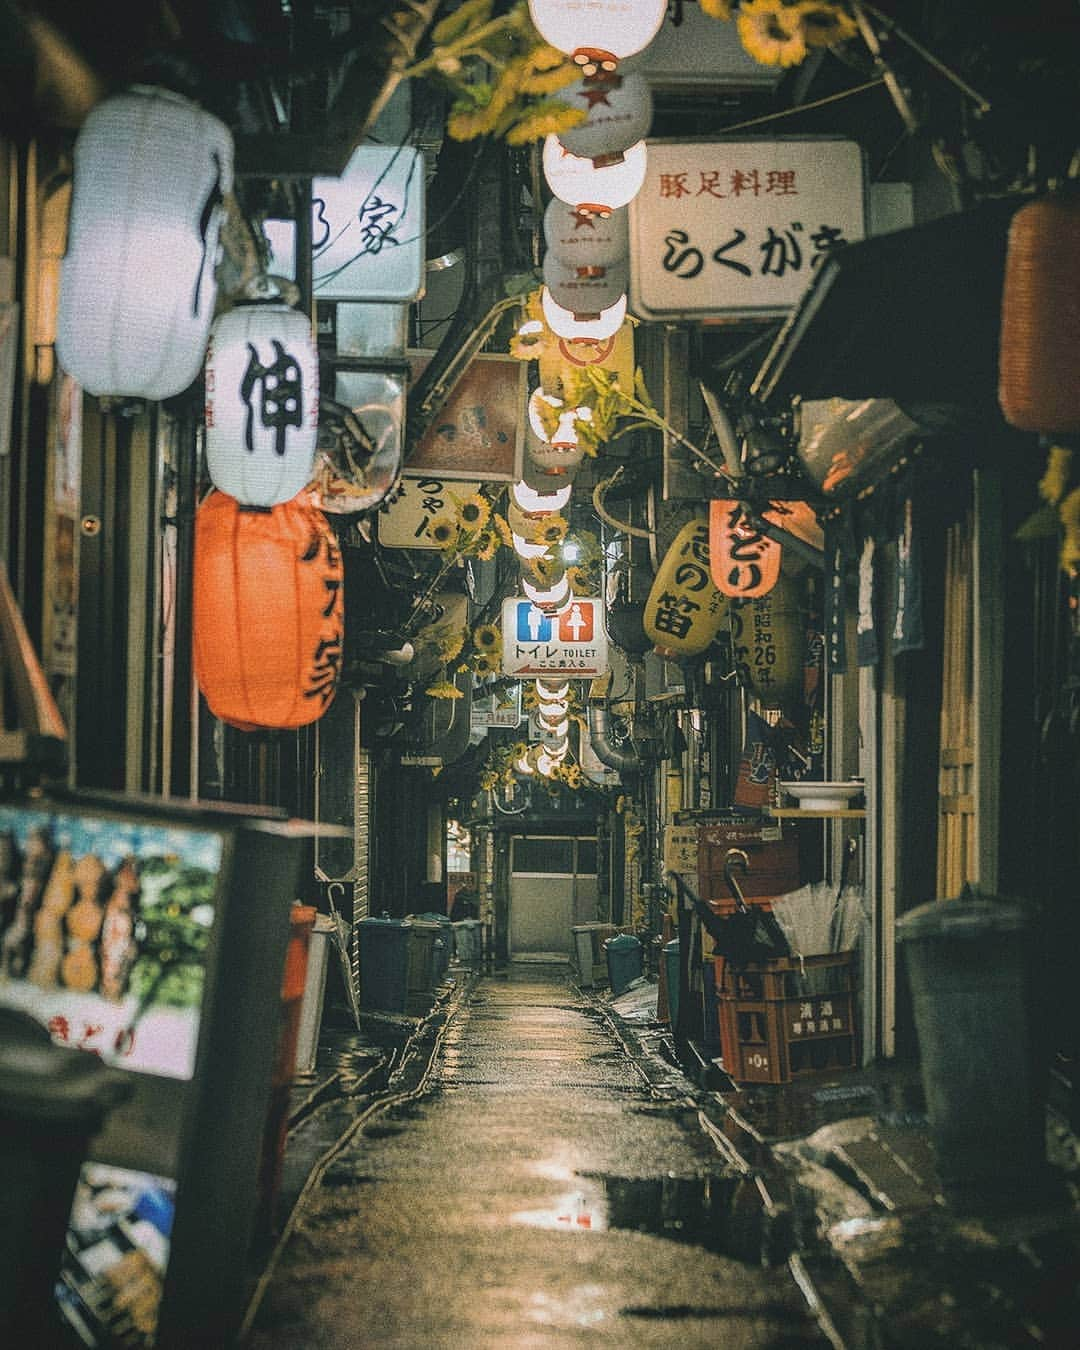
{"x":598,"y":33}
{"x":262,"y":403}
{"x":684,"y":610}
{"x":609,"y":183}
{"x":744,"y":562}
{"x":585,"y":291}
{"x":268,"y":620}
{"x":586,"y":235}
{"x":768,"y":639}
{"x":137,"y":288}
{"x":618,"y":112}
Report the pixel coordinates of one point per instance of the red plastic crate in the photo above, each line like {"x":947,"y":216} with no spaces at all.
{"x":782,"y":1019}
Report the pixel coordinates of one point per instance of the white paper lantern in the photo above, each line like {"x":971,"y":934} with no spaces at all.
{"x":563,"y":322}
{"x":527,"y":548}
{"x":618,"y":112}
{"x":552,"y":689}
{"x":598,"y":32}
{"x":535,"y":503}
{"x":562,"y":451}
{"x":537,"y":477}
{"x":550,"y":599}
{"x":585,"y":291}
{"x":262,"y":403}
{"x":137,"y":287}
{"x":577,"y":180}
{"x":581,"y":236}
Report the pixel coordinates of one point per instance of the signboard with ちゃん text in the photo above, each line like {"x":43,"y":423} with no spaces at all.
{"x":573,"y":644}
{"x":737,"y":227}
{"x":406,"y":521}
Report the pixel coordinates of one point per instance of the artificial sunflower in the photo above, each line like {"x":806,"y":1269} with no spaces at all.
{"x":772,"y":32}
{"x":581,"y":583}
{"x":545,"y":569}
{"x":486,"y":545}
{"x":445,"y":689}
{"x":473,"y":512}
{"x":487,"y":637}
{"x":824,"y":25}
{"x":443,"y":532}
{"x":486,"y":663}
{"x":716,"y":9}
{"x":530,"y":699}
{"x":551,"y":530}
{"x":503,"y":529}
{"x":450,"y":644}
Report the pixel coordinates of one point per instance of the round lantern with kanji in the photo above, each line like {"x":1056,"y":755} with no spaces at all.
{"x":268,"y":619}
{"x":137,"y":286}
{"x":262,"y":403}
{"x":684,"y":610}
{"x":586,"y":235}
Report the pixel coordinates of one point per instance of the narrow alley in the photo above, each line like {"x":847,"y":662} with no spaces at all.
{"x":533,"y":1192}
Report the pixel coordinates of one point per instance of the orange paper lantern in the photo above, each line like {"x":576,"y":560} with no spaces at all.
{"x":744,"y":562}
{"x":269,"y":608}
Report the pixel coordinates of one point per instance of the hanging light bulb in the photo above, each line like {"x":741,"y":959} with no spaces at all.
{"x":600,"y":33}
{"x":535,"y":503}
{"x":564,"y":324}
{"x":608,"y":181}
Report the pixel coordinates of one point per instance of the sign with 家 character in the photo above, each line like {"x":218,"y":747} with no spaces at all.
{"x":405,"y":522}
{"x":573,"y":644}
{"x":738,"y":227}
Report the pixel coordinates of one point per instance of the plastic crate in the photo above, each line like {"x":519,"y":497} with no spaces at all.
{"x":780,"y":1020}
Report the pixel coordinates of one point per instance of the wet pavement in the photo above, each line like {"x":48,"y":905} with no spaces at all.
{"x":523,"y":1176}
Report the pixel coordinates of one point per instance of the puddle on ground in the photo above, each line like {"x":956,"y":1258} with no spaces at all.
{"x":716,"y":1211}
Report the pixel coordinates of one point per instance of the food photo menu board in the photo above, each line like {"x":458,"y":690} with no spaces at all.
{"x":152,"y":935}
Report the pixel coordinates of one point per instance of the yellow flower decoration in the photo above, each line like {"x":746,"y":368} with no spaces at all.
{"x":580,"y":581}
{"x":445,"y":689}
{"x":545,"y":119}
{"x":716,"y":9}
{"x":551,"y":530}
{"x":473,"y":512}
{"x":443,"y":531}
{"x":487,"y":545}
{"x":772,"y":32}
{"x":450,"y":645}
{"x":545,"y":569}
{"x":504,"y":531}
{"x":824,"y":25}
{"x":518,"y":749}
{"x":1055,"y":481}
{"x":530,"y":699}
{"x":487,"y":637}
{"x":486,"y":663}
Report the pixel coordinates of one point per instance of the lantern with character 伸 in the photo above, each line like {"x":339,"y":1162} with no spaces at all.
{"x":268,"y":622}
{"x":262,"y":403}
{"x":744,"y":562}
{"x":137,"y":286}
{"x":684,"y":611}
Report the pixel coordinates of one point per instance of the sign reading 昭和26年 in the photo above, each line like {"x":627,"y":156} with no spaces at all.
{"x":738,"y":227}
{"x":573,"y":644}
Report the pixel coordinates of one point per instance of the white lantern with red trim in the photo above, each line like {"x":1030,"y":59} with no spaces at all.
{"x":561,"y":451}
{"x":586,"y":235}
{"x":585,"y":291}
{"x":598,"y":33}
{"x":564,"y":323}
{"x":611,"y":181}
{"x":262,"y":403}
{"x":618,"y":112}
{"x":540,"y":504}
{"x":137,"y":287}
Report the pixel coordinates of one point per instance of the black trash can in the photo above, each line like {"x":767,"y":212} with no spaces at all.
{"x":53,"y":1100}
{"x":970,"y":967}
{"x":384,"y":963}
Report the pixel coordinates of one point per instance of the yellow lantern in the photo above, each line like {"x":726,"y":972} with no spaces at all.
{"x":685,"y":611}
{"x":768,"y":640}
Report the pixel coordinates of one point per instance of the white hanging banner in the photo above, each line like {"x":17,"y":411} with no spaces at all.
{"x":367,"y":227}
{"x":738,"y":227}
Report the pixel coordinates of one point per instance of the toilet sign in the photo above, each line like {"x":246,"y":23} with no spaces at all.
{"x":572,"y":644}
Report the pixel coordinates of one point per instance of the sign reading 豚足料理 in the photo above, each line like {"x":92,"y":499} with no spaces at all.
{"x":573,"y":644}
{"x":738,"y":227}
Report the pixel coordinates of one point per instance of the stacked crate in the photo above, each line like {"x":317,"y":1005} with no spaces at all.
{"x":782,"y":1019}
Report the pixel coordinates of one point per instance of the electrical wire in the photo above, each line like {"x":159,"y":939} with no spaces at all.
{"x":802,"y":107}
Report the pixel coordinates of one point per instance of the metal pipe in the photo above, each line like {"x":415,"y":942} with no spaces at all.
{"x":625,"y":761}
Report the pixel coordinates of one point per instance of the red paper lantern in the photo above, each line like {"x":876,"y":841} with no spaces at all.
{"x":269,"y":608}
{"x":744,"y":562}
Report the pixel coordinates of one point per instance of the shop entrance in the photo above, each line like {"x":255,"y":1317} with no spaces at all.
{"x":552,"y":888}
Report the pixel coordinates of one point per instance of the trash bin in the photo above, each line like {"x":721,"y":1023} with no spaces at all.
{"x":669,"y":955}
{"x":970,"y":971}
{"x":444,"y":945}
{"x":422,"y":937}
{"x":311,"y":1006}
{"x":384,"y":963}
{"x":53,"y":1100}
{"x":581,"y":935}
{"x":468,"y":939}
{"x":623,"y":955}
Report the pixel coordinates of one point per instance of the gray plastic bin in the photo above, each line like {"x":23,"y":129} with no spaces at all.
{"x":444,"y":945}
{"x":384,"y":963}
{"x":970,"y":970}
{"x":52,"y":1102}
{"x":468,"y":938}
{"x":623,"y":955}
